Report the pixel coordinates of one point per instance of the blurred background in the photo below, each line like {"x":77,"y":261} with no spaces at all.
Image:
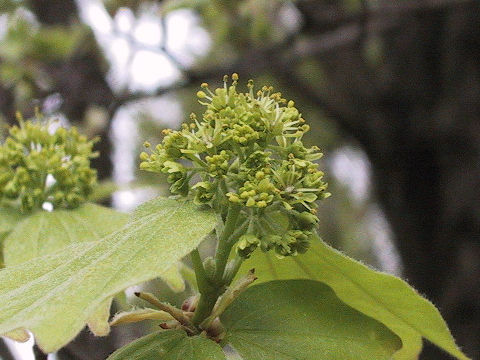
{"x":391,"y":89}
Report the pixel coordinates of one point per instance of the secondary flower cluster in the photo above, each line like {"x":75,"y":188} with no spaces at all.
{"x":246,"y":150}
{"x":38,"y":166}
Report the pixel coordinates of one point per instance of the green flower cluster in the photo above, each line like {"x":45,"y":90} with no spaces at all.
{"x":247,"y":151}
{"x":38,"y":165}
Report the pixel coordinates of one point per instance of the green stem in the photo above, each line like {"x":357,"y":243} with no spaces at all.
{"x":224,"y":246}
{"x":223,"y":186}
{"x":232,"y":269}
{"x":204,"y":307}
{"x":200,"y":274}
{"x":239,"y":231}
{"x":211,"y":289}
{"x":228,"y":297}
{"x":208,"y":293}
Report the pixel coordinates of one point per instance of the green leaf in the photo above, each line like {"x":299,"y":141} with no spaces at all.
{"x":46,"y":232}
{"x":381,"y":296}
{"x":188,"y":275}
{"x":55,"y":295}
{"x":174,"y":279}
{"x":303,"y":319}
{"x":8,"y":219}
{"x":170,"y":345}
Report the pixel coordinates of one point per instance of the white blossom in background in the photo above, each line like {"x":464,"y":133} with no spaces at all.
{"x":353,"y":170}
{"x":148,"y":30}
{"x":186,"y":40}
{"x":124,"y":20}
{"x":133,"y":45}
{"x":3,"y":25}
{"x":290,"y":18}
{"x":383,"y":246}
{"x":150,"y":70}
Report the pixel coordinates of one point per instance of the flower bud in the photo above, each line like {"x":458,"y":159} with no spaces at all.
{"x":246,"y":245}
{"x":307,"y":220}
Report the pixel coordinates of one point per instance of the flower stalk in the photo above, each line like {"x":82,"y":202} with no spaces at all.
{"x":177,"y":314}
